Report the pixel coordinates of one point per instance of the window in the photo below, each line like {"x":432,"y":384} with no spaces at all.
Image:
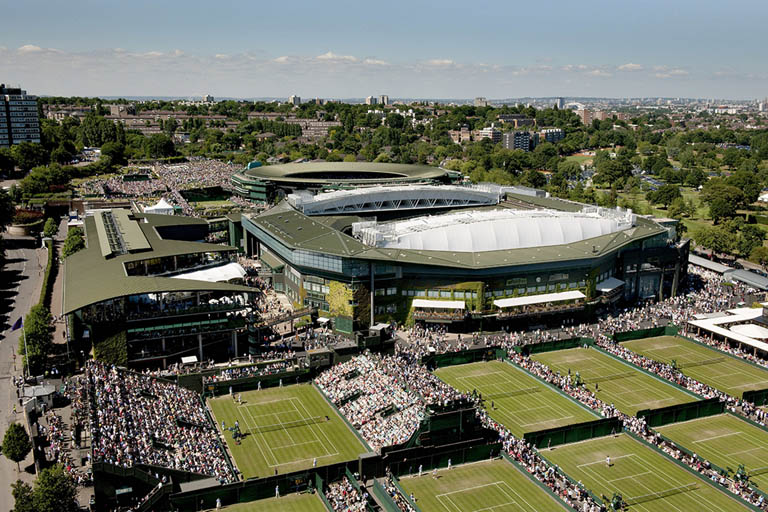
{"x":531,"y":289}
{"x":488,"y":295}
{"x":459,"y":294}
{"x":445,"y":294}
{"x":541,"y":288}
{"x":474,"y":295}
{"x":558,"y":277}
{"x":391,"y":291}
{"x":520,"y":291}
{"x":509,"y":292}
{"x":380,"y":292}
{"x":405,"y":293}
{"x":433,"y":293}
{"x":517,"y":281}
{"x":573,"y":285}
{"x":551,"y":288}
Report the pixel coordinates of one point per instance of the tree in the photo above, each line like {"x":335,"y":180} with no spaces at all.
{"x":55,"y":491}
{"x":16,"y":443}
{"x":750,"y":237}
{"x":716,"y":238}
{"x":159,"y":146}
{"x":28,"y":155}
{"x":7,"y":163}
{"x":664,"y":195}
{"x":6,"y":208}
{"x":720,"y":208}
{"x":39,"y":338}
{"x":73,"y":243}
{"x":115,"y":152}
{"x":759,"y":255}
{"x":50,"y":227}
{"x":22,"y":497}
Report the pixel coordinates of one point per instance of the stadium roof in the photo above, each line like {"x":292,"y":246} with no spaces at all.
{"x":89,"y":277}
{"x":298,"y":231}
{"x":491,"y":230}
{"x":709,"y":265}
{"x":334,"y":172}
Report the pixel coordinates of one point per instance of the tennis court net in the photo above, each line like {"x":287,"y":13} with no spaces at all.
{"x":634,"y":500}
{"x":702,"y":363}
{"x":516,"y":392}
{"x":613,"y":376}
{"x":289,"y":424}
{"x":759,"y":471}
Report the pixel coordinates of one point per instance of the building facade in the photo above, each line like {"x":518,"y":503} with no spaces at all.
{"x":518,"y":140}
{"x":19,"y":121}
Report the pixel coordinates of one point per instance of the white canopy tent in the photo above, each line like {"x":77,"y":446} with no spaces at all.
{"x":162,"y":207}
{"x":220,"y":274}
{"x":438,"y":304}
{"x":539,"y":299}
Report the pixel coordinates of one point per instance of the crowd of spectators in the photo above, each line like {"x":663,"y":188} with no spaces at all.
{"x":136,"y":419}
{"x":344,"y":497}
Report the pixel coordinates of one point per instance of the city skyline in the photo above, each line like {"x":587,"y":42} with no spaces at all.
{"x":598,"y":49}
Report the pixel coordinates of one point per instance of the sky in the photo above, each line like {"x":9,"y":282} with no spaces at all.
{"x":406,"y":49}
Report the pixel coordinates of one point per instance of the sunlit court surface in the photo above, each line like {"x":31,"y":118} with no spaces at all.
{"x":482,"y":486}
{"x":646,"y":480}
{"x":284,"y":429}
{"x":517,"y":400}
{"x":614,"y":381}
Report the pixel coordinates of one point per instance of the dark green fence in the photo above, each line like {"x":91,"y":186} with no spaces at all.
{"x":383,"y":497}
{"x":462,"y":357}
{"x":431,"y":457}
{"x":681,"y":412}
{"x":249,"y":383}
{"x":667,"y":330}
{"x":573,"y":433}
{"x":551,"y":346}
{"x":756,"y":396}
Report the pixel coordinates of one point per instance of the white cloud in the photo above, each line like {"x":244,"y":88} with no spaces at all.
{"x":669,"y":72}
{"x":375,"y":62}
{"x":332,"y":56}
{"x":30,"y":48}
{"x":440,"y":62}
{"x":630,"y":66}
{"x":282,"y":59}
{"x":222,"y":56}
{"x":600,"y":73}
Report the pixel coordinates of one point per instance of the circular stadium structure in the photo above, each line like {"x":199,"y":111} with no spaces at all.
{"x":460,"y":255}
{"x":264,"y":183}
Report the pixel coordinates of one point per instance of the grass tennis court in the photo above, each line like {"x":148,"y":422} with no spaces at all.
{"x":707,"y":365}
{"x":626,"y":387}
{"x":289,"y":503}
{"x":726,"y":441}
{"x":285,"y":429}
{"x":647,"y":480}
{"x":522,"y":403}
{"x":496,"y":486}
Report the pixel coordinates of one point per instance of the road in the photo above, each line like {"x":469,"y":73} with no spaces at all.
{"x":20,"y":283}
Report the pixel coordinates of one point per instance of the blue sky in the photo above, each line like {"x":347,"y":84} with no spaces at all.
{"x":404,"y":49}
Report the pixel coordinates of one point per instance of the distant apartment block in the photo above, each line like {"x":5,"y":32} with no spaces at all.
{"x":523,"y":141}
{"x":481,"y":101}
{"x":371,"y":100}
{"x":294,"y":100}
{"x":384,"y":100}
{"x":461,"y":135}
{"x":552,"y":135}
{"x":19,"y":121}
{"x":517,"y":120}
{"x":587,"y":116}
{"x":208,"y":98}
{"x":490,"y":132}
{"x":560,"y":103}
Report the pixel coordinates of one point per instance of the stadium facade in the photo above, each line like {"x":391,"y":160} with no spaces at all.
{"x":274,"y":182}
{"x":147,"y":292}
{"x":462,"y":255}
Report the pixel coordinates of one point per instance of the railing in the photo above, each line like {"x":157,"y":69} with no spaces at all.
{"x":193,"y":310}
{"x":287,"y":317}
{"x":433,"y":315}
{"x":563,"y":308}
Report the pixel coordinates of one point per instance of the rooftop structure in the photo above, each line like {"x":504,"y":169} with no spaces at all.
{"x":494,"y":230}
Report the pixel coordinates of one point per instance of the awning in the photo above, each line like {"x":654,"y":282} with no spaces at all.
{"x":189,"y":360}
{"x":539,"y":299}
{"x":749,"y":278}
{"x":271,"y":260}
{"x":323,"y":320}
{"x":220,"y":274}
{"x":752,"y":330}
{"x":609,"y":285}
{"x":438,"y":304}
{"x":707,"y":264}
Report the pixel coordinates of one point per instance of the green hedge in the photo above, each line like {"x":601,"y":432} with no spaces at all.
{"x":113,"y":349}
{"x":49,"y":277}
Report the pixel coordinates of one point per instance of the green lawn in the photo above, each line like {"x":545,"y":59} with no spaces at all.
{"x":495,"y":486}
{"x":277,"y":433}
{"x":726,"y":441}
{"x":720,"y":370}
{"x":626,"y":387}
{"x":531,"y":407}
{"x":637,"y":472}
{"x":289,"y":503}
{"x":580,"y":159}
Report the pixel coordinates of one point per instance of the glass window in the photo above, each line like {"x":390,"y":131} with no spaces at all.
{"x":445,"y":294}
{"x":433,"y":293}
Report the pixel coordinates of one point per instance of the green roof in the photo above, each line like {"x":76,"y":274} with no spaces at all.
{"x":299,"y":231}
{"x":343,"y":172}
{"x":89,"y":277}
